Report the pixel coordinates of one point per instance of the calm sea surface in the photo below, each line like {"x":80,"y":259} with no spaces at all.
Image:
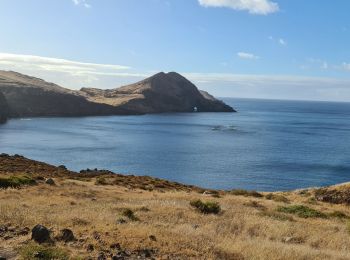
{"x":267,"y":146}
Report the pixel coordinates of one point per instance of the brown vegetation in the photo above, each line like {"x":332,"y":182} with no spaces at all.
{"x":160,"y":222}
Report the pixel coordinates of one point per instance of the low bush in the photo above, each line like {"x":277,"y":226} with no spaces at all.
{"x":338,"y":214}
{"x":33,"y":251}
{"x":246,"y":193}
{"x":101,"y":181}
{"x":208,"y":207}
{"x":302,"y":211}
{"x":16,"y":181}
{"x":277,"y":198}
{"x":129,"y":214}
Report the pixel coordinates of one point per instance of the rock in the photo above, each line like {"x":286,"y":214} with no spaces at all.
{"x":50,"y":181}
{"x":27,"y":96}
{"x":40,"y":234}
{"x":115,"y":246}
{"x":90,"y":247}
{"x":66,"y":235}
{"x":101,"y":256}
{"x":153,"y":238}
{"x":62,"y":167}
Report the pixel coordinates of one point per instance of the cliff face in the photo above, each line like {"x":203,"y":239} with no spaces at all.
{"x":4,"y":109}
{"x":29,"y":97}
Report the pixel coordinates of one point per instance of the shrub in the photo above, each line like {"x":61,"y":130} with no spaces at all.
{"x":16,"y":181}
{"x":33,"y":251}
{"x":129,"y":214}
{"x":277,"y":198}
{"x":302,"y":211}
{"x":246,"y":193}
{"x":208,"y":207}
{"x":101,"y":181}
{"x":338,"y":214}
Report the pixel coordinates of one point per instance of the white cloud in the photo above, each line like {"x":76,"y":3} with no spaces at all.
{"x":82,"y":2}
{"x":282,"y":41}
{"x":262,"y":7}
{"x":346,"y":66}
{"x":248,"y":56}
{"x":58,"y":65}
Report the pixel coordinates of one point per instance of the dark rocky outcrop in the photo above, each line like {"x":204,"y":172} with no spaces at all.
{"x":164,"y":92}
{"x":4,"y":109}
{"x":40,"y":234}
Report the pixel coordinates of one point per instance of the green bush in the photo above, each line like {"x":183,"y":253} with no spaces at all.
{"x":129,"y":214}
{"x":302,"y":211}
{"x":33,"y":251}
{"x":208,"y":207}
{"x":246,"y":193}
{"x":16,"y":181}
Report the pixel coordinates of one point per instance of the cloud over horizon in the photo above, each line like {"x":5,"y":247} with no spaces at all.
{"x":76,"y":74}
{"x":261,"y":7}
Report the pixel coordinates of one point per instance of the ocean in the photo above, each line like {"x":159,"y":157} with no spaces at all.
{"x":269,"y":145}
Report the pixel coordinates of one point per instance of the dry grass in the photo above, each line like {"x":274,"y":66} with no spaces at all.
{"x":246,"y":229}
{"x":155,"y":217}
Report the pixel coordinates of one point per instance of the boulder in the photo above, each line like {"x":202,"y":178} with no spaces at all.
{"x":66,"y":235}
{"x":40,"y":234}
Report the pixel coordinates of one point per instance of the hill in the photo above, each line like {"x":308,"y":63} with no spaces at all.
{"x":164,"y":92}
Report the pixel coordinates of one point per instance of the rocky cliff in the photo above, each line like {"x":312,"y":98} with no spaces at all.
{"x":163,"y":92}
{"x":4,"y":109}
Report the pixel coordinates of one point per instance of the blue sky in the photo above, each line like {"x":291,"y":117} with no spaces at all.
{"x":240,"y":48}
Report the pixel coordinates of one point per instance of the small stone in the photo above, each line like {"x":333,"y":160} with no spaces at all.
{"x":66,"y":235}
{"x":101,"y":256}
{"x":40,"y":234}
{"x":90,"y":247}
{"x":153,"y":238}
{"x":116,"y":246}
{"x":50,"y":181}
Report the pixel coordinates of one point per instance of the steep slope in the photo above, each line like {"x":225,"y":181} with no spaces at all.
{"x":30,"y":97}
{"x":163,"y":92}
{"x":4,"y":109}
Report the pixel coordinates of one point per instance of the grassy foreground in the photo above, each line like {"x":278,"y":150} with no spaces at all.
{"x":131,"y":217}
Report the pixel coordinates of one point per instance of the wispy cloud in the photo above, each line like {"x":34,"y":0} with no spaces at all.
{"x":262,"y":7}
{"x":282,"y":41}
{"x":247,"y":56}
{"x":82,"y":2}
{"x":58,"y":65}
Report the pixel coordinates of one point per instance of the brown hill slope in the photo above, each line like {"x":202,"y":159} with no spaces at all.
{"x":28,"y":96}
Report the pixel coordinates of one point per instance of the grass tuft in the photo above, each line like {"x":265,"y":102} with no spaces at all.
{"x":33,"y":251}
{"x":302,"y":211}
{"x":128,"y":213}
{"x":246,"y":193}
{"x":16,"y":181}
{"x":208,"y":207}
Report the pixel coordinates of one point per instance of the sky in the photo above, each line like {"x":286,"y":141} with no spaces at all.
{"x":276,"y":49}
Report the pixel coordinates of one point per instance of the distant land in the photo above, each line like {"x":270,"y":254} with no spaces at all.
{"x":25,"y":96}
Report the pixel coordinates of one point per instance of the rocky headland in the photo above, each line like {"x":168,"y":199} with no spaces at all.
{"x":162,"y":93}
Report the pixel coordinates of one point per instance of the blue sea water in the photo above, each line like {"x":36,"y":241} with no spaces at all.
{"x":268,"y":145}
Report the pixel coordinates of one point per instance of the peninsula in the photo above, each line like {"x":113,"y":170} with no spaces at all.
{"x":162,"y":93}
